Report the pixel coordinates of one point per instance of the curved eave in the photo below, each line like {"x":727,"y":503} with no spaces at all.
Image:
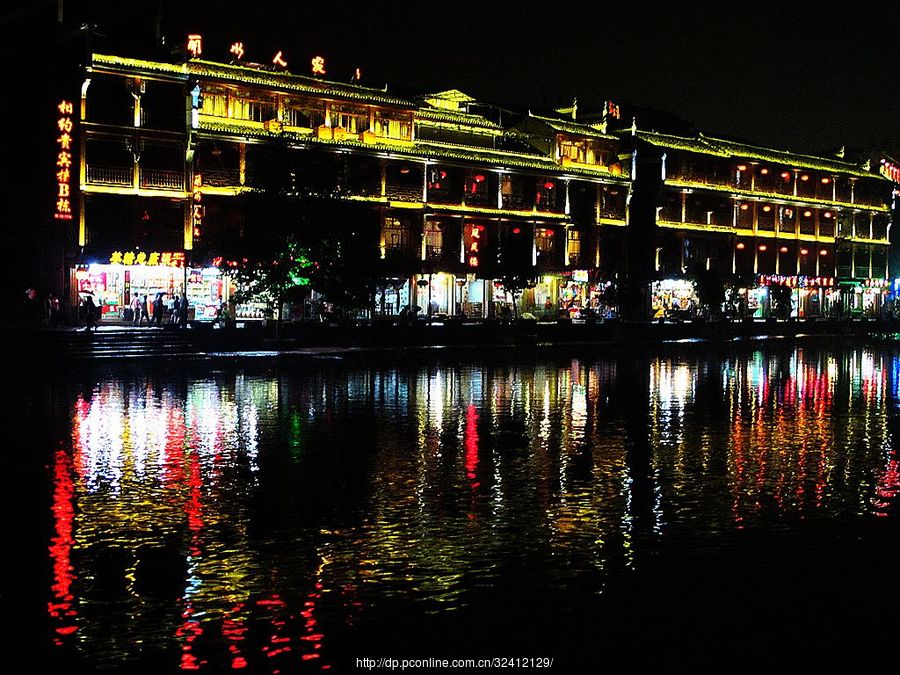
{"x":421,"y":150}
{"x":775,"y":197}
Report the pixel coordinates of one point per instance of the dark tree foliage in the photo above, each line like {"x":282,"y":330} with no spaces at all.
{"x":299,"y":233}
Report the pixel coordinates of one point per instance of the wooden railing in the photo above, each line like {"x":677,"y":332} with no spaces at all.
{"x":162,"y":180}
{"x":109,"y":175}
{"x":221,"y":177}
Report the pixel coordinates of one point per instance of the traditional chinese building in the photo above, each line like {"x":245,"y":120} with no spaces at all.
{"x":455,"y":204}
{"x":803,"y":236}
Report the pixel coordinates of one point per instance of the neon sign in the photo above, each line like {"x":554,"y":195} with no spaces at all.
{"x":890,"y":170}
{"x":197,"y":207}
{"x":237,"y":48}
{"x":473,"y":242}
{"x":195,"y":44}
{"x":148,"y":259}
{"x":279,"y":61}
{"x":318,"y":65}
{"x":65,"y":126}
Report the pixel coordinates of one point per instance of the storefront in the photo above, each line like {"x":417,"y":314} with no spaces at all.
{"x":674,"y":298}
{"x":471,"y":297}
{"x":391,"y":297}
{"x":114,"y":284}
{"x":809,"y":297}
{"x":435,"y":294}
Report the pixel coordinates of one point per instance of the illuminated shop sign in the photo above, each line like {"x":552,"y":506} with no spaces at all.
{"x":318,"y":65}
{"x":278,"y":60}
{"x":237,"y":49}
{"x":147,"y":258}
{"x":877,"y":283}
{"x":65,"y":126}
{"x":197,"y":206}
{"x":473,"y":242}
{"x":803,"y":282}
{"x":195,"y":44}
{"x":890,"y":170}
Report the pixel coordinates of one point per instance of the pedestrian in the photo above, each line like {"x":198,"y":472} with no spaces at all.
{"x":144,"y":312}
{"x":136,"y":310}
{"x":89,"y":313}
{"x":158,"y":310}
{"x":175,"y":317}
{"x":183,"y":312}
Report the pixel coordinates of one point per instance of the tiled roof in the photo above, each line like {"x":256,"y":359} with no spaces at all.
{"x":420,"y":150}
{"x":724,"y":148}
{"x":452,"y":117}
{"x":572,"y":127}
{"x":284,"y":81}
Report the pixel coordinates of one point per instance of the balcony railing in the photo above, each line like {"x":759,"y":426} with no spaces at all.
{"x":162,"y":180}
{"x":221,"y":177}
{"x":516,"y":203}
{"x":109,"y":175}
{"x":403,"y":193}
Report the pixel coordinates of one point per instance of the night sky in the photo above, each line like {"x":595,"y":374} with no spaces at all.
{"x":798,"y":75}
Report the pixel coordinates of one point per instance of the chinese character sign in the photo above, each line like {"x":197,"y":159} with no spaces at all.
{"x":64,"y":167}
{"x":147,"y":258}
{"x":473,"y":243}
{"x":197,"y":207}
{"x":195,"y":44}
{"x":318,"y":65}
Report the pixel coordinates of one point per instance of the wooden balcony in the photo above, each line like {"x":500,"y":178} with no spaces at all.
{"x":110,"y":175}
{"x":403,"y":193}
{"x":158,"y":179}
{"x":221,"y":177}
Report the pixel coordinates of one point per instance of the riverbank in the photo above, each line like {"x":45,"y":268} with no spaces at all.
{"x":257,"y":340}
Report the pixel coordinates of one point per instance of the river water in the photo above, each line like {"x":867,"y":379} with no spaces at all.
{"x":735,"y":508}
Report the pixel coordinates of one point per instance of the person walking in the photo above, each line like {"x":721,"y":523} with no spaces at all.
{"x":175,"y":316}
{"x":158,"y":310}
{"x":136,"y":310}
{"x":144,"y":312}
{"x":89,"y":313}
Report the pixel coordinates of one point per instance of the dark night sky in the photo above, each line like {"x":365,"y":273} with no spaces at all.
{"x":801,"y":75}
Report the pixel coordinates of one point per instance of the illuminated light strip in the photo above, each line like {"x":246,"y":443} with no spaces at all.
{"x":498,"y":212}
{"x":147,"y":259}
{"x":673,"y":225}
{"x":63,"y":209}
{"x":775,"y":197}
{"x":784,"y":235}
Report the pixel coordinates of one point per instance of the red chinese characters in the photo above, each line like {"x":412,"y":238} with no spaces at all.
{"x":63,"y":166}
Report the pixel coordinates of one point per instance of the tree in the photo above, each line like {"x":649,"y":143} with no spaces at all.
{"x":514,"y":283}
{"x":710,"y":291}
{"x":298,"y":233}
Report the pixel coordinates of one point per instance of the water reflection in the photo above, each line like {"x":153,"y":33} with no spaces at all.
{"x":242,"y":521}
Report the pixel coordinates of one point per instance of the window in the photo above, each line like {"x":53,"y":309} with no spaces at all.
{"x":351,"y":119}
{"x":574,"y":247}
{"x":477,"y":187}
{"x":307,"y":115}
{"x":252,"y":110}
{"x":543,"y":240}
{"x":395,"y":236}
{"x":545,"y":198}
{"x":434,"y":241}
{"x":215,"y":103}
{"x":512,"y":192}
{"x":787,"y":219}
{"x":391,"y":127}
